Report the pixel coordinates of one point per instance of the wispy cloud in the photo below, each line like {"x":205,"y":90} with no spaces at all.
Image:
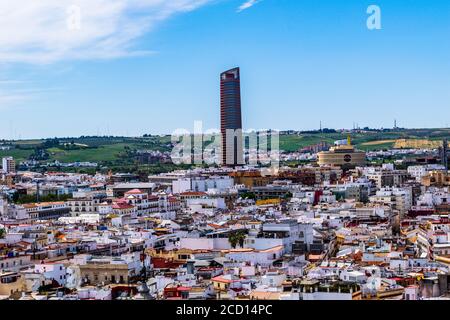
{"x":47,"y":31}
{"x":11,"y":82}
{"x":247,"y":4}
{"x":10,"y":99}
{"x":14,"y":92}
{"x":10,"y":94}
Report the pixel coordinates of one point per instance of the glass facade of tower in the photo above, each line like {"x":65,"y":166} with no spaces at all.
{"x":230,"y":117}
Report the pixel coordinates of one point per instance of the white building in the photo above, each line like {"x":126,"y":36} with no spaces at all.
{"x":91,"y":218}
{"x":263,"y":258}
{"x":52,"y":271}
{"x":353,"y":276}
{"x":8,"y":165}
{"x":397,"y":198}
{"x":418,"y":172}
{"x":217,"y":203}
{"x":202,"y":184}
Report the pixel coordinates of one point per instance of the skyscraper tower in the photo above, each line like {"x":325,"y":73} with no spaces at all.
{"x":444,"y":155}
{"x":230,"y":118}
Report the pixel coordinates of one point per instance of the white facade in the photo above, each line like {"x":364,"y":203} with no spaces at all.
{"x":52,"y":271}
{"x":217,"y":203}
{"x":8,"y":165}
{"x":273,"y":279}
{"x":205,"y":243}
{"x":353,"y":276}
{"x":420,"y":171}
{"x":264,"y":258}
{"x":82,"y":218}
{"x":201,"y":184}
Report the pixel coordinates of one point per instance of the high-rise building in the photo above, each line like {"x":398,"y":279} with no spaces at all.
{"x":444,"y":153}
{"x":230,"y":118}
{"x":8,"y":165}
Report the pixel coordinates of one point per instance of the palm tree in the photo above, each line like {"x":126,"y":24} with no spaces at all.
{"x":232,"y":239}
{"x":241,"y":238}
{"x":2,"y":233}
{"x":235,"y":238}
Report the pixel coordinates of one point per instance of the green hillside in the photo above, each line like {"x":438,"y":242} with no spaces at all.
{"x":120,"y":151}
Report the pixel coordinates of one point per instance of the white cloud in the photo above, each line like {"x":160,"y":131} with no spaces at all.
{"x":43,"y":31}
{"x":247,"y":4}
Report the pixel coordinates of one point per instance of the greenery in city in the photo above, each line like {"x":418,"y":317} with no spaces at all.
{"x":248,"y":195}
{"x":237,"y":237}
{"x":29,"y":198}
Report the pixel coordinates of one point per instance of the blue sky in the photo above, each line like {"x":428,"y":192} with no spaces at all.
{"x":152,"y":66}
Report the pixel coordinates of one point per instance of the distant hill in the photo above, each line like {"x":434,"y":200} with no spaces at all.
{"x":370,"y":140}
{"x":116,"y":150}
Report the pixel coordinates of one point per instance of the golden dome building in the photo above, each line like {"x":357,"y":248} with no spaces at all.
{"x":344,"y":155}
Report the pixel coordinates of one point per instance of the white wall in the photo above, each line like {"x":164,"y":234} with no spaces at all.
{"x":205,"y":243}
{"x":181,"y":185}
{"x":53,"y":271}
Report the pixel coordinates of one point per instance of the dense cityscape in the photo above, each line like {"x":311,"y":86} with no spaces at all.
{"x":224,"y":159}
{"x":329,"y":222}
